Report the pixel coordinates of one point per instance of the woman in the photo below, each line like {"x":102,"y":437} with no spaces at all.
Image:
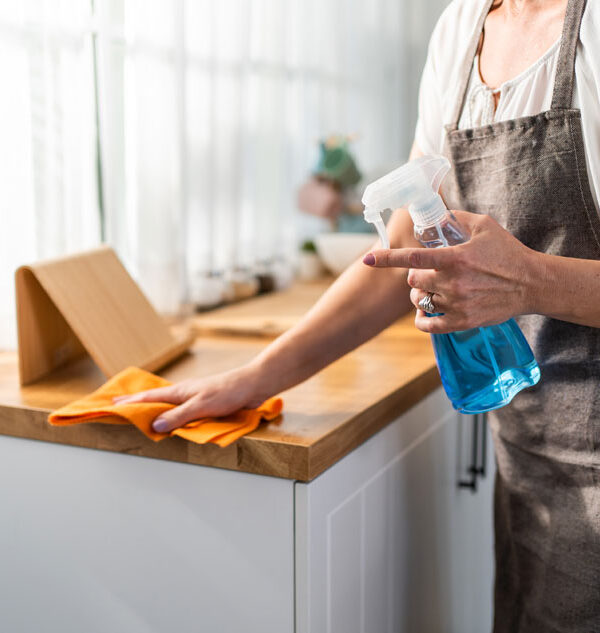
{"x":515,"y":108}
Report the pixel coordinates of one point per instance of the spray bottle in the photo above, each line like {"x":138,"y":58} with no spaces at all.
{"x":482,"y":368}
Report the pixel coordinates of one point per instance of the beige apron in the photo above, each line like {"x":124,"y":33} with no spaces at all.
{"x":530,"y":175}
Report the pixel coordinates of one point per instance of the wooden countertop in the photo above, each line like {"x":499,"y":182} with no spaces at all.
{"x":324,"y":418}
{"x":266,"y":315}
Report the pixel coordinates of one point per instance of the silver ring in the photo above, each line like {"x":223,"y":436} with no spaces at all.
{"x":426,"y":303}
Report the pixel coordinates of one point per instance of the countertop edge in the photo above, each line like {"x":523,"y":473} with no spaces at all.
{"x":364,"y":425}
{"x":251,"y":455}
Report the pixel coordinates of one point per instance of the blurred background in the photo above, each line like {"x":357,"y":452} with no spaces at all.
{"x":181,"y":132}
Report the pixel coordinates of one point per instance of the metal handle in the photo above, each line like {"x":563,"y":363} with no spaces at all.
{"x":478,"y":452}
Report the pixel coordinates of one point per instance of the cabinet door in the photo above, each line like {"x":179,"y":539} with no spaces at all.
{"x":386,"y":541}
{"x":97,"y":542}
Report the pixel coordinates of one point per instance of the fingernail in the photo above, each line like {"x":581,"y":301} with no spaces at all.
{"x":160,"y":425}
{"x":369,"y":259}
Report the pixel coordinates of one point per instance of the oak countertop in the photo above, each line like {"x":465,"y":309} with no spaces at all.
{"x":324,"y":418}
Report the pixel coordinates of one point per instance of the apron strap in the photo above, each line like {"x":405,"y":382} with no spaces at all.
{"x":562,"y":97}
{"x":467,"y":65}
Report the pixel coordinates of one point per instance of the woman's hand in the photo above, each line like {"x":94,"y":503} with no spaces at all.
{"x":197,"y":398}
{"x":484,"y":281}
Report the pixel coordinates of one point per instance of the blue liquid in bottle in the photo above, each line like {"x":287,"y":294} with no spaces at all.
{"x":485,"y":367}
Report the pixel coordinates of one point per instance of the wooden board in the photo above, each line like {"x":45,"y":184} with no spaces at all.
{"x":324,"y":418}
{"x":88,"y":304}
{"x":267,"y":315}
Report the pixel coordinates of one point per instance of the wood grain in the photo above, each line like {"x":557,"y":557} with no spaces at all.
{"x":324,"y":418}
{"x":267,"y":315}
{"x":88,"y":303}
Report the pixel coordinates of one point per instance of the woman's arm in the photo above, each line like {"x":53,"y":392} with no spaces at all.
{"x":493,"y":277}
{"x":567,"y":289}
{"x":360,"y":304}
{"x":355,"y":308}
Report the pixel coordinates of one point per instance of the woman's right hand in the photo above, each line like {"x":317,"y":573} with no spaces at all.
{"x":197,"y":398}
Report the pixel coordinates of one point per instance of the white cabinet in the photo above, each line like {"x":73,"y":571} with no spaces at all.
{"x":97,"y":542}
{"x":382,"y":542}
{"x":387,"y":542}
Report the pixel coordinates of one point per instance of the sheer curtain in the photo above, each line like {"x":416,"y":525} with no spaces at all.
{"x":179,"y":130}
{"x":48,"y":183}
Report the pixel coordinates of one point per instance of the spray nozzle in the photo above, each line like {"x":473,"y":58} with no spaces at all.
{"x":414,"y":185}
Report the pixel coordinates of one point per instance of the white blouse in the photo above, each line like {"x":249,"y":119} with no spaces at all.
{"x":528,"y":93}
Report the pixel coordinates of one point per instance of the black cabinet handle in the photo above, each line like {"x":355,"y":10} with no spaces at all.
{"x":478,"y":452}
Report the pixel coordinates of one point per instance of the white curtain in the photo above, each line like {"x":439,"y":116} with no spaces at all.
{"x":48,"y":184}
{"x":179,"y":130}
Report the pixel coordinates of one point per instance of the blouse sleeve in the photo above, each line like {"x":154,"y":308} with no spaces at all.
{"x":429,"y":129}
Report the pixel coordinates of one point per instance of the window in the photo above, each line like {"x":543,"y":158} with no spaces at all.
{"x":179,"y":130}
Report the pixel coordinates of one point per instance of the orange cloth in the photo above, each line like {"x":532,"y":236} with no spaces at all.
{"x":99,"y":404}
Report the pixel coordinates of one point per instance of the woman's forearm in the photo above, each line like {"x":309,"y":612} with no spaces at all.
{"x":566,"y":288}
{"x":360,"y":304}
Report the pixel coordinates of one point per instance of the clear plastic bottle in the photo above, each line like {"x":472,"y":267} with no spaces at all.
{"x":485,"y":367}
{"x":482,"y":368}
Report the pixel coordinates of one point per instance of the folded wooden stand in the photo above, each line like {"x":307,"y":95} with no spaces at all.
{"x":88,"y":304}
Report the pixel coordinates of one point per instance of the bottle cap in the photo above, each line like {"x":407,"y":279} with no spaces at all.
{"x":414,"y":185}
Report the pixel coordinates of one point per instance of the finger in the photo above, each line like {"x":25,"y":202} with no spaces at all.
{"x":434,"y":324}
{"x":436,"y":258}
{"x":423,"y":279}
{"x":416,"y":295}
{"x":169,"y":394}
{"x":189,"y":411}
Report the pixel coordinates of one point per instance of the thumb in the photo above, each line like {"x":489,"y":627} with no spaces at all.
{"x":467,"y":219}
{"x":189,"y":411}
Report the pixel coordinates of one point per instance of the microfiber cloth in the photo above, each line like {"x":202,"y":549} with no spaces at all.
{"x":99,"y":404}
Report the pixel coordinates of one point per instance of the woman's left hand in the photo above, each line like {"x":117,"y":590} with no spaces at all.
{"x":484,"y":281}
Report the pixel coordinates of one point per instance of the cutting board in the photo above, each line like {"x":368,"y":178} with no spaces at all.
{"x":267,"y":315}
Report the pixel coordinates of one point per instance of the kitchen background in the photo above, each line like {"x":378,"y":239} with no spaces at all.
{"x":179,"y":131}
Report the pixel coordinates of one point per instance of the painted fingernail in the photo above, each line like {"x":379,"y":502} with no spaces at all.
{"x":369,"y":259}
{"x":160,"y":425}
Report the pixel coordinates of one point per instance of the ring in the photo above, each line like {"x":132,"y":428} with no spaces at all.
{"x":426,"y":303}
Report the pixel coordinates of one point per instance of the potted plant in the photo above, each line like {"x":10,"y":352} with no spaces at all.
{"x":310,"y":266}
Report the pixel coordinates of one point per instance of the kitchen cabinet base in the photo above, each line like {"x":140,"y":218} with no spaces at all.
{"x":387,"y":541}
{"x":383,"y":541}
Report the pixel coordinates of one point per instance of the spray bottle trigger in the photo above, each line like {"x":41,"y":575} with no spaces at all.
{"x":436,"y":169}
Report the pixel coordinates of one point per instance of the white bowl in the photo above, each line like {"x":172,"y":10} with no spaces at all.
{"x":339,"y":250}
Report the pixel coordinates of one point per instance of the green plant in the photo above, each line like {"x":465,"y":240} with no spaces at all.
{"x":308,"y":246}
